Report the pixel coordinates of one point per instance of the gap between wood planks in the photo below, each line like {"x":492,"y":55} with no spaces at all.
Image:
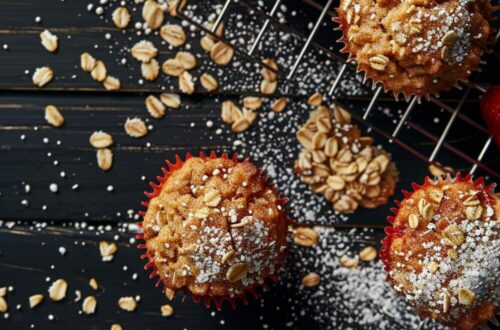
{"x":56,"y":228}
{"x":141,"y":91}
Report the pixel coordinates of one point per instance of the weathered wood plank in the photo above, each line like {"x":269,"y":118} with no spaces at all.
{"x":28,"y":160}
{"x":21,"y":112}
{"x":80,"y":30}
{"x":270,"y":142}
{"x":30,"y":261}
{"x":29,"y":258}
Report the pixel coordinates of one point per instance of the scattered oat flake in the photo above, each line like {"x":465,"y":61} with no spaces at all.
{"x":53,"y":116}
{"x":93,"y":283}
{"x":209,"y":82}
{"x":311,"y":280}
{"x":152,"y":14}
{"x":111,"y":83}
{"x":87,"y":62}
{"x":49,"y":40}
{"x":144,"y":51}
{"x":89,"y":305}
{"x":167,"y":310}
{"x":348,"y":262}
{"x":127,"y":304}
{"x":107,"y":250}
{"x":186,"y":84}
{"x":173,"y":34}
{"x":136,"y":127}
{"x":252,"y":102}
{"x":171,"y":100}
{"x":35,"y":300}
{"x":169,"y":293}
{"x":305,"y":236}
{"x":369,"y":253}
{"x":280,"y":104}
{"x":57,"y":291}
{"x":42,"y":76}
{"x":100,"y":139}
{"x":3,"y":305}
{"x":155,"y":107}
{"x":151,"y":70}
{"x":221,"y":53}
{"x":121,"y":17}
{"x":186,"y":59}
{"x":104,"y":159}
{"x":99,"y":72}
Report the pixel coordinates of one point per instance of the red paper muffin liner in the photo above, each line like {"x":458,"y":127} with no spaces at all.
{"x":395,"y":232}
{"x":207,"y":299}
{"x":344,"y":26}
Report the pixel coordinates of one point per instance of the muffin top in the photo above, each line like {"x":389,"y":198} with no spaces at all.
{"x":215,"y":228}
{"x":416,"y":47}
{"x":341,"y":164}
{"x":445,"y":256}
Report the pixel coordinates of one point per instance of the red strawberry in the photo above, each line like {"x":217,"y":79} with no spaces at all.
{"x":490,"y":108}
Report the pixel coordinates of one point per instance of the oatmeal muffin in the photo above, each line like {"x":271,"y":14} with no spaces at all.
{"x":415,"y":47}
{"x":443,"y":251}
{"x":214,"y":228}
{"x":340,"y":164}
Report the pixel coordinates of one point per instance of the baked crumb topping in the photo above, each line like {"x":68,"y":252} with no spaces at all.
{"x":447,"y":259}
{"x":416,"y":47}
{"x":215,"y":228}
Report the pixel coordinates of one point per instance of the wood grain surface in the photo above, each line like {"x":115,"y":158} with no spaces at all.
{"x":30,"y":260}
{"x":35,"y":155}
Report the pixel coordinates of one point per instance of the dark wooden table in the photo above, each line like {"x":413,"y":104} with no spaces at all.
{"x":90,"y":205}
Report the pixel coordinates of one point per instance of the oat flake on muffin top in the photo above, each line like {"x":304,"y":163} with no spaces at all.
{"x":443,"y":252}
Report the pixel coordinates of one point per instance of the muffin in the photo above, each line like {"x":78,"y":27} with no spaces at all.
{"x":415,"y":47}
{"x":443,"y":251}
{"x":214,"y":228}
{"x":340,"y":164}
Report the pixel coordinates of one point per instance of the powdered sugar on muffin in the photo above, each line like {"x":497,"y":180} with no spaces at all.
{"x":446,"y":254}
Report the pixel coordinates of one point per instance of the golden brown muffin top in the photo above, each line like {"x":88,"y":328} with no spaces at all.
{"x":215,"y":228}
{"x":341,"y":164}
{"x":416,"y":47}
{"x":447,"y":260}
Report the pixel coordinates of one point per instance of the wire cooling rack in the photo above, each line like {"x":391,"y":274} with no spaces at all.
{"x":327,"y":10}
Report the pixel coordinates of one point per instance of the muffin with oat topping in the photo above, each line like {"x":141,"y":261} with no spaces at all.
{"x":416,"y":47}
{"x":214,"y":228}
{"x":443,"y":251}
{"x":340,"y":164}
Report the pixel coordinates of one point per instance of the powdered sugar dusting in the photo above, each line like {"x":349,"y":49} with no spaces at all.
{"x":348,"y":298}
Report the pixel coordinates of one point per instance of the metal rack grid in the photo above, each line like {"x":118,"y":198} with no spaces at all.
{"x":392,"y":136}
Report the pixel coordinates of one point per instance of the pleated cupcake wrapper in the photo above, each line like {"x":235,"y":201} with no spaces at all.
{"x":395,"y":232}
{"x":208,"y":299}
{"x":343,"y":27}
